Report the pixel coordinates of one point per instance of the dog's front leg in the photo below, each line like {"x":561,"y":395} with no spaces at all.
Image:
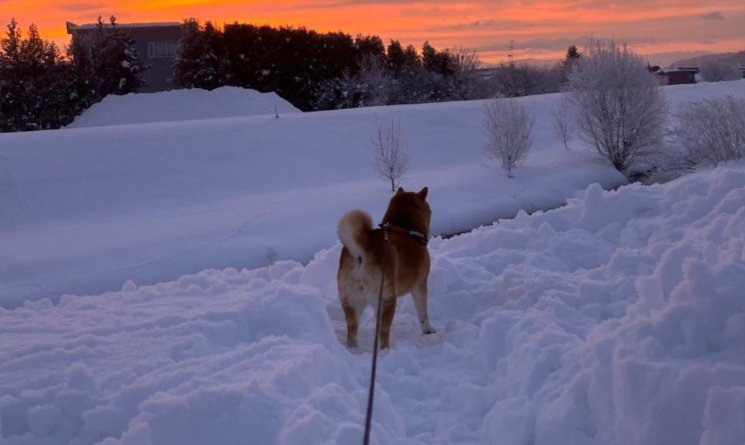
{"x":419,"y":294}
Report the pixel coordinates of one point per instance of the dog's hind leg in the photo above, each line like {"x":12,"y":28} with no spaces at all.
{"x":352,"y":317}
{"x":386,"y":320}
{"x":419,"y":294}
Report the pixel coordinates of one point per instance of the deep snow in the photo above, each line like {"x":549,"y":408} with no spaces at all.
{"x":616,"y":319}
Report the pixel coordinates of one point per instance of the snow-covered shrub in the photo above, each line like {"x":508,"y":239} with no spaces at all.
{"x":509,"y":129}
{"x":718,"y":71}
{"x":712,"y":131}
{"x":389,"y":152}
{"x":563,"y":124}
{"x":617,"y":103}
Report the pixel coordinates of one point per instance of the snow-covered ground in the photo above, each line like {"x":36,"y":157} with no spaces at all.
{"x":616,"y":319}
{"x":84,"y":210}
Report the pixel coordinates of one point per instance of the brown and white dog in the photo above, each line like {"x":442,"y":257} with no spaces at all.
{"x":402,"y":258}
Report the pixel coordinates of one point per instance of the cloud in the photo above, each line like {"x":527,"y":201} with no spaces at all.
{"x":716,"y":15}
{"x":81,"y":6}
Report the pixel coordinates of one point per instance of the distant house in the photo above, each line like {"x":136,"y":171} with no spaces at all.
{"x":679,"y":76}
{"x":157,"y":45}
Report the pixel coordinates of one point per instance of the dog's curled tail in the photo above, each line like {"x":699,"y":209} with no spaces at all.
{"x":353,"y":231}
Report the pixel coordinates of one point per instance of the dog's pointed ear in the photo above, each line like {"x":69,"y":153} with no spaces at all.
{"x":423,"y":192}
{"x":400,"y":190}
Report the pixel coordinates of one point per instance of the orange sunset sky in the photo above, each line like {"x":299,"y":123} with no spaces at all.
{"x":661,"y":30}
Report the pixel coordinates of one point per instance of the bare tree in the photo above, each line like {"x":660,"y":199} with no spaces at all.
{"x":563,"y":124}
{"x":712,"y":131}
{"x":618,"y":105}
{"x":466,"y":79}
{"x":509,"y":129}
{"x":389,"y":151}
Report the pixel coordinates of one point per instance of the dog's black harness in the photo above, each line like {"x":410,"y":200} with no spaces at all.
{"x":417,"y":235}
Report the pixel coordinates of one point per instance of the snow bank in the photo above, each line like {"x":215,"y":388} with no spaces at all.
{"x":618,"y":318}
{"x":182,"y":105}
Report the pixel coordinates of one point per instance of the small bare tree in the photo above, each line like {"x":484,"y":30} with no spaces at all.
{"x":509,"y":129}
{"x":389,"y":151}
{"x":712,"y":131}
{"x":563,"y":123}
{"x":617,"y":102}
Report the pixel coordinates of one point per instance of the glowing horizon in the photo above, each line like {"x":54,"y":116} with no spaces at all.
{"x":540,"y":30}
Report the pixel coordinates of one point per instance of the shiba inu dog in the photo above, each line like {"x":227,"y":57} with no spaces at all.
{"x":397,"y":250}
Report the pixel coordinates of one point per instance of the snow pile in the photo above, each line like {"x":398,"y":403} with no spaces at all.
{"x":181,"y":105}
{"x":618,"y":318}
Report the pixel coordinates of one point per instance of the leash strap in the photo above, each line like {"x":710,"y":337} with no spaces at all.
{"x":373,"y":370}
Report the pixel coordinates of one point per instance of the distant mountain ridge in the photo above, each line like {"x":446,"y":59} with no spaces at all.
{"x":734,"y":59}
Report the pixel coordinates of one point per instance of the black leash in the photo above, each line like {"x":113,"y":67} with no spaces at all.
{"x":373,"y":371}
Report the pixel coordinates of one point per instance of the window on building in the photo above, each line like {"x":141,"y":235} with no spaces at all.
{"x":156,"y":50}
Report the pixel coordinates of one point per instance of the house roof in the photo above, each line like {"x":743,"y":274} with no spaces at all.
{"x":72,"y":27}
{"x":690,"y":69}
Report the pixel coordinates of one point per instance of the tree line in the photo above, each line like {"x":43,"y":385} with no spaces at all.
{"x":40,"y":88}
{"x":317,"y":71}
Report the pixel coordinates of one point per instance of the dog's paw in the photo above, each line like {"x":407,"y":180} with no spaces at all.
{"x":427,"y":328}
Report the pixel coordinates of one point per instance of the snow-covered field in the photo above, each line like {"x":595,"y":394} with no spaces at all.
{"x":87,"y":209}
{"x":84,"y":210}
{"x":616,"y":319}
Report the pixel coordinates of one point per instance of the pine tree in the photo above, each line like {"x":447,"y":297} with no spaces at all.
{"x":200,"y":63}
{"x":572,"y":53}
{"x":396,"y":57}
{"x":571,"y":58}
{"x":12,"y":103}
{"x":105,"y":62}
{"x":34,"y":83}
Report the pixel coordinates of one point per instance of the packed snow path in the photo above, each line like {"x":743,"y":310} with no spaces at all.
{"x":618,"y":319}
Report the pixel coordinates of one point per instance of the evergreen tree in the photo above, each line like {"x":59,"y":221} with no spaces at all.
{"x":12,"y":85}
{"x":367,"y":46}
{"x":200,"y":63}
{"x":571,"y":58}
{"x":34,"y":83}
{"x":396,"y":57}
{"x":105,"y":62}
{"x":572,"y":54}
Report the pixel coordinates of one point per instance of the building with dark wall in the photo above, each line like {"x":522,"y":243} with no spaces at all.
{"x":157,"y":46}
{"x":679,"y":76}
